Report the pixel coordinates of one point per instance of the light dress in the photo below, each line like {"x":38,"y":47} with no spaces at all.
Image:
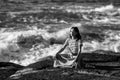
{"x":68,"y":59}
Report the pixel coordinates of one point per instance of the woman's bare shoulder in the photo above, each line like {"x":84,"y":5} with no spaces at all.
{"x":67,"y":39}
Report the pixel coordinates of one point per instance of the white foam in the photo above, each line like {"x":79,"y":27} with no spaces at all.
{"x":104,"y":8}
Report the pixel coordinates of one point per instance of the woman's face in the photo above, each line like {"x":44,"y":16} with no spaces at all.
{"x":72,"y":32}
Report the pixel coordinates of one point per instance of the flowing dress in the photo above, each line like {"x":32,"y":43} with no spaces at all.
{"x":68,"y":59}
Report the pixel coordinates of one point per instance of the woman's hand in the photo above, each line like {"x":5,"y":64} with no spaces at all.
{"x":60,"y":58}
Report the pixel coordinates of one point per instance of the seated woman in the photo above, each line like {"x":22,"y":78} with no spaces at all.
{"x":74,"y":45}
{"x":70,"y":59}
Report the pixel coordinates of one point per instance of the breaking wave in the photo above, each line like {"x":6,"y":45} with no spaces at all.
{"x":37,"y":44}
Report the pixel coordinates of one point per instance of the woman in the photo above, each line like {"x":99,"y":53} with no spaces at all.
{"x":74,"y":45}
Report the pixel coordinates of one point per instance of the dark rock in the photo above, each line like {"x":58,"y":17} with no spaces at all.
{"x":7,"y":64}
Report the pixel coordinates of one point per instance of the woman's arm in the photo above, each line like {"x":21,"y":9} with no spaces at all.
{"x":63,"y":47}
{"x":80,"y":46}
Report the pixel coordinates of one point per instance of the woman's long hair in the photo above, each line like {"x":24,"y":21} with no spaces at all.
{"x":78,"y":36}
